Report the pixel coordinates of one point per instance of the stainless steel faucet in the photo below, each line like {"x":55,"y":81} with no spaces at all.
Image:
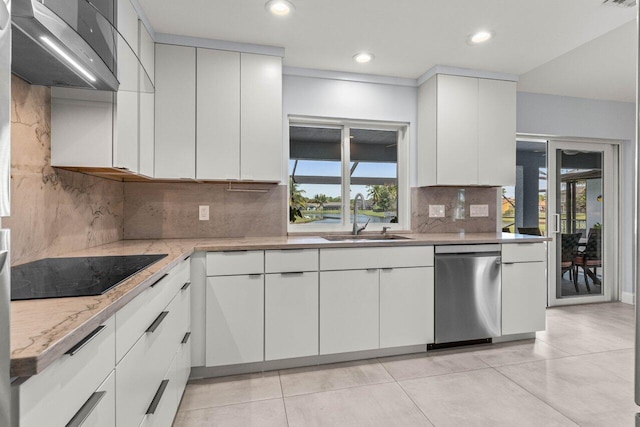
{"x":357,"y":229}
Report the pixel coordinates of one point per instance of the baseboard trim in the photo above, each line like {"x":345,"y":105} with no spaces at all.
{"x":627,"y":298}
{"x":201,"y":372}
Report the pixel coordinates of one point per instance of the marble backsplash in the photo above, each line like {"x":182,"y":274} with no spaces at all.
{"x":170,"y":210}
{"x":422,"y":197}
{"x":53,"y":211}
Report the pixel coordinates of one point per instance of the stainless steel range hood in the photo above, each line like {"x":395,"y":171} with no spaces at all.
{"x":67,"y":43}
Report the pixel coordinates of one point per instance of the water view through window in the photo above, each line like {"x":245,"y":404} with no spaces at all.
{"x":322,"y":171}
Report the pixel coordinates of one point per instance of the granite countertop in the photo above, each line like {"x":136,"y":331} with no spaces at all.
{"x":42,"y":330}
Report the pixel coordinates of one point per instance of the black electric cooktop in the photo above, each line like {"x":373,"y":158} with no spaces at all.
{"x":74,"y":277}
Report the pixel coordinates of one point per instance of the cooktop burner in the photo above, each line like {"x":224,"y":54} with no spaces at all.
{"x":74,"y":277}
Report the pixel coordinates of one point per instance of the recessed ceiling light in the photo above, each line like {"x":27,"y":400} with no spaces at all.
{"x":480,"y":37}
{"x":280,"y":7}
{"x":363,"y":57}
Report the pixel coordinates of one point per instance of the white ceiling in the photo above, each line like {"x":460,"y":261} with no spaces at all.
{"x":410,"y":36}
{"x":604,"y":68}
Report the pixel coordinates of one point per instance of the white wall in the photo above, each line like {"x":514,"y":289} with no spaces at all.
{"x":590,"y":118}
{"x":323,"y":97}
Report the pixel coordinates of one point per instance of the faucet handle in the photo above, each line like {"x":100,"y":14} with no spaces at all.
{"x":384,"y":230}
{"x":365,"y":225}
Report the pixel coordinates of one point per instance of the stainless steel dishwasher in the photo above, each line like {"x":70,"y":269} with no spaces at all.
{"x":467,"y":293}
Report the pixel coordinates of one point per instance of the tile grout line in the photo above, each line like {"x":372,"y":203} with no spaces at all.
{"x":284,"y":402}
{"x":407,"y":394}
{"x":229,"y":404}
{"x":341,"y":388}
{"x":536,"y":396}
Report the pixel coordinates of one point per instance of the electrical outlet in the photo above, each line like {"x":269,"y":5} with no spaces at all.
{"x":436,"y":211}
{"x":204,"y":213}
{"x":479,"y":210}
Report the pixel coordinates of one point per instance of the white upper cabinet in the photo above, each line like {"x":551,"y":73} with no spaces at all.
{"x":239,"y":116}
{"x":261,"y":112}
{"x":218,"y":112}
{"x":175,"y":112}
{"x":466,"y":131}
{"x":497,"y":133}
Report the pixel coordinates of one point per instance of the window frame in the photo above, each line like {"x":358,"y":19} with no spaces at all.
{"x":404,"y":196}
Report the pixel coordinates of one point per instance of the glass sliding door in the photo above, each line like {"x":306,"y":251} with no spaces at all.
{"x":583,"y":200}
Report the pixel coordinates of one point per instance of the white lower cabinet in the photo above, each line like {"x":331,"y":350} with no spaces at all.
{"x":524,"y":297}
{"x":235,"y":319}
{"x":349,"y":311}
{"x":406,"y":306}
{"x":291,"y":315}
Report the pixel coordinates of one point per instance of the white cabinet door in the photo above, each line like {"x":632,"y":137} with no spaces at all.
{"x":175,"y":78}
{"x":127,"y":24}
{"x":349,"y":311}
{"x":147,"y":141}
{"x":235,"y":320}
{"x":218,"y":123}
{"x":147,"y":51}
{"x":125,"y":145}
{"x":406,"y":306}
{"x":291,"y":315}
{"x":524,"y":297}
{"x":497,"y":133}
{"x":457,"y":130}
{"x":261,"y":111}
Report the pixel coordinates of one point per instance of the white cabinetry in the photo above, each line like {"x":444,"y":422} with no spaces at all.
{"x":466,"y":131}
{"x":261,"y":113}
{"x":524,"y":288}
{"x":235,"y":319}
{"x":239,"y":110}
{"x":349,"y":311}
{"x":175,"y":108}
{"x":98,"y":131}
{"x":406,"y":306}
{"x":218,"y":109}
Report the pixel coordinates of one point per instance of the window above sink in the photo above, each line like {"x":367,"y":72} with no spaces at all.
{"x":330,"y":161}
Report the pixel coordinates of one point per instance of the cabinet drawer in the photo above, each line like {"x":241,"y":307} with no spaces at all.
{"x":235,"y":262}
{"x":100,"y":409}
{"x":291,"y":260}
{"x":141,"y":371}
{"x":523,"y":252}
{"x":183,"y":367}
{"x":387,"y":257}
{"x":134,"y":318}
{"x":54,"y":396}
{"x":165,"y":404}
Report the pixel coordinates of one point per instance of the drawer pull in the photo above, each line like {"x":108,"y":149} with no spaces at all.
{"x":188,"y":256}
{"x":157,"y":322}
{"x":76,"y":348}
{"x":238,"y":252}
{"x":156,"y":399}
{"x":186,"y":337}
{"x":157,"y":281}
{"x":185,"y":286}
{"x":81,"y":416}
{"x":387,"y":269}
{"x":293,"y":273}
{"x":371,"y":270}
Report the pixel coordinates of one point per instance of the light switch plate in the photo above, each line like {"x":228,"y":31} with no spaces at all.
{"x":204,"y":213}
{"x":436,"y":211}
{"x":479,"y":210}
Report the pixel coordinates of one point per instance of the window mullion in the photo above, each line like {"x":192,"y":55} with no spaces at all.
{"x":346,"y":176}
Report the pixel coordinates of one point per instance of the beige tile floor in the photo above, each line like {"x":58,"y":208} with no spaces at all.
{"x":578,"y":372}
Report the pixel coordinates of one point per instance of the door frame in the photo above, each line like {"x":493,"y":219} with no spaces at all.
{"x":611,"y":214}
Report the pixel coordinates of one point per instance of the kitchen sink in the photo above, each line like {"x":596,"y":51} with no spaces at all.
{"x":364,"y":237}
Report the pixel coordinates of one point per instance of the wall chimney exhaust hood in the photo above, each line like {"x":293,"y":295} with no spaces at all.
{"x":69,"y":43}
